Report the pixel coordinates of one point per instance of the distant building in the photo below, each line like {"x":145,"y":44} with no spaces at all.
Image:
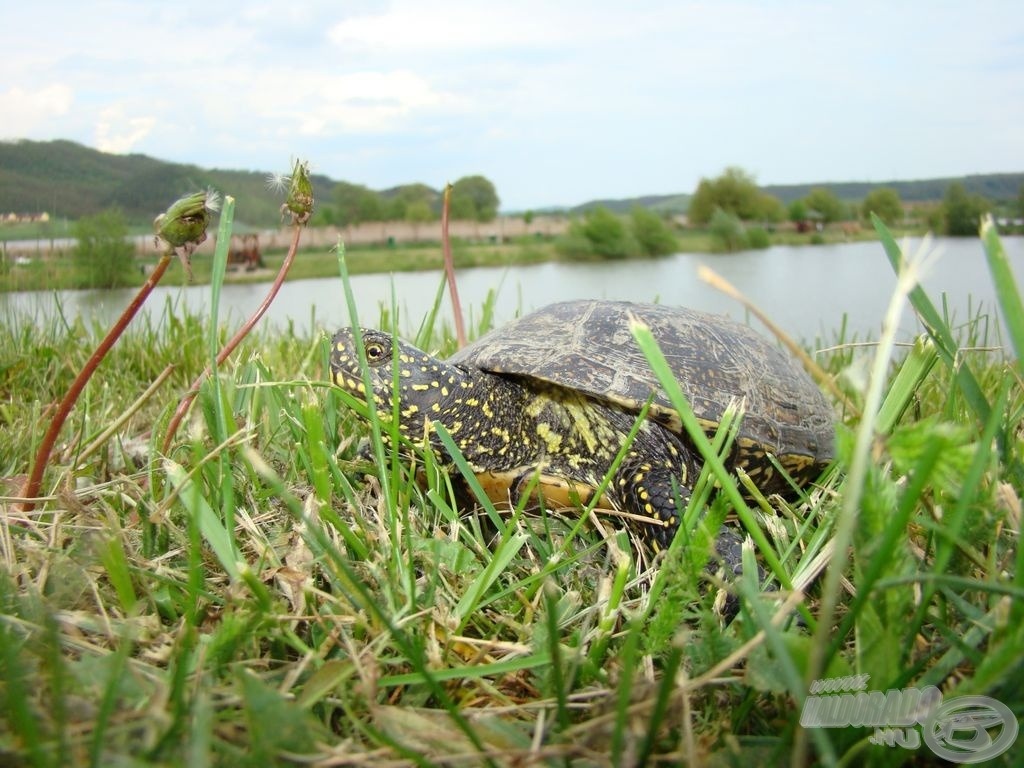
{"x":24,"y":218}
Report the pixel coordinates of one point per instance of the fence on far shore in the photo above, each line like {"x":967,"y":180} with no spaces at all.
{"x":369,"y":233}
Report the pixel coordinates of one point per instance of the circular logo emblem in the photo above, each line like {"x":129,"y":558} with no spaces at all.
{"x":969,"y":729}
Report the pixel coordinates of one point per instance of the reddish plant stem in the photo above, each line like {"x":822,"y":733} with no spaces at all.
{"x":449,"y":270}
{"x":228,"y":348}
{"x":31,"y":488}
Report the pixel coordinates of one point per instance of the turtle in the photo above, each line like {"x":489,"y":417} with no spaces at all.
{"x":548,"y":400}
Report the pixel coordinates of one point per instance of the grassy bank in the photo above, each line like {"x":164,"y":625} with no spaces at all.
{"x":261,"y":596}
{"x":59,"y":273}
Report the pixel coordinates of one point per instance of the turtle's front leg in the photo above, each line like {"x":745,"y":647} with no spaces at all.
{"x":655,"y":495}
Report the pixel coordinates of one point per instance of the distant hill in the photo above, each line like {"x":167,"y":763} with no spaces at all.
{"x":660,"y":203}
{"x":994,"y":186}
{"x":70,"y":180}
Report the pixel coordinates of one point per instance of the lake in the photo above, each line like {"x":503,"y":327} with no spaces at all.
{"x":811,"y":291}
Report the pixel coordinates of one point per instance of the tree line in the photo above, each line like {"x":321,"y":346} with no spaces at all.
{"x":732,"y":201}
{"x":472,"y":198}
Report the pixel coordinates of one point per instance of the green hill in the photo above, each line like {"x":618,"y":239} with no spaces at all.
{"x":993,"y":186}
{"x":69,"y":180}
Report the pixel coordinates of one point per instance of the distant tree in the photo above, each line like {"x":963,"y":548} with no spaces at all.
{"x":418,"y":212}
{"x":1020,"y":202}
{"x":475,"y":198}
{"x":652,"y":233}
{"x":529,"y":216}
{"x":461,"y":208}
{"x":825,"y":202}
{"x":771,"y":209}
{"x":735,"y":192}
{"x":355,"y":204}
{"x":370,"y":206}
{"x":599,"y":234}
{"x":727,"y":232}
{"x":104,"y":257}
{"x":797,"y":211}
{"x":885,"y":203}
{"x":418,"y":196}
{"x":394,"y":209}
{"x":757,"y":237}
{"x":962,"y":212}
{"x":934,"y":216}
{"x":608,"y":234}
{"x":323,"y":216}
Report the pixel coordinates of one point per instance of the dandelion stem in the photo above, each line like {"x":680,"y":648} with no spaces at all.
{"x":235,"y":340}
{"x":31,"y":489}
{"x":449,"y":269}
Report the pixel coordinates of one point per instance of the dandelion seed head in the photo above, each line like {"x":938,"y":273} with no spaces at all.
{"x":213,"y":200}
{"x":278,"y":182}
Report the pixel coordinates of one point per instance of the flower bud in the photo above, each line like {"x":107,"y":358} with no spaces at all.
{"x":183,"y":225}
{"x":299,"y":202}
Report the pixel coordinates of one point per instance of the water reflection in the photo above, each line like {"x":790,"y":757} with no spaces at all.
{"x":811,"y":291}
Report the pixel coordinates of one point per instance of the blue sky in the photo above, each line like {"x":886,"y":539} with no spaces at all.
{"x":556,"y":102}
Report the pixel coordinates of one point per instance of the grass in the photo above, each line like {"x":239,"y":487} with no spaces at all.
{"x":262,"y":595}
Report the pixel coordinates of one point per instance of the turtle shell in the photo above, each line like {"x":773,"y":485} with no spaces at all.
{"x":587,"y":346}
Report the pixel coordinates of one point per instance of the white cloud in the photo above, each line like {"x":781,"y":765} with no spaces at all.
{"x":119,"y":134}
{"x":358,"y":102}
{"x":25,"y":111}
{"x":459,"y":27}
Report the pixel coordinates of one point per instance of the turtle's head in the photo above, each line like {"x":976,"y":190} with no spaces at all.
{"x":423,"y":382}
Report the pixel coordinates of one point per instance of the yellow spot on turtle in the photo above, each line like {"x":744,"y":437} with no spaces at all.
{"x":420,"y":387}
{"x":552,"y":439}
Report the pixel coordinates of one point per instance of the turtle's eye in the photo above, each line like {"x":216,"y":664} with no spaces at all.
{"x":376,"y":353}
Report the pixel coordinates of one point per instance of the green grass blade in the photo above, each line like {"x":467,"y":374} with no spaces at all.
{"x":220,"y":266}
{"x":954,"y":520}
{"x":199,"y":509}
{"x":1007,"y":291}
{"x":115,"y":563}
{"x":119,"y":660}
{"x":937,"y":327}
{"x":903,"y":388}
{"x":660,"y":367}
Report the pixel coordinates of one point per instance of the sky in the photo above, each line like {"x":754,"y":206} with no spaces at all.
{"x":557,"y":103}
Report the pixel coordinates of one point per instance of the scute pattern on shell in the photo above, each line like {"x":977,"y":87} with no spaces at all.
{"x":587,"y":346}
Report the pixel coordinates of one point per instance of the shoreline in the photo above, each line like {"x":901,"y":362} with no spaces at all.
{"x":315,"y":262}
